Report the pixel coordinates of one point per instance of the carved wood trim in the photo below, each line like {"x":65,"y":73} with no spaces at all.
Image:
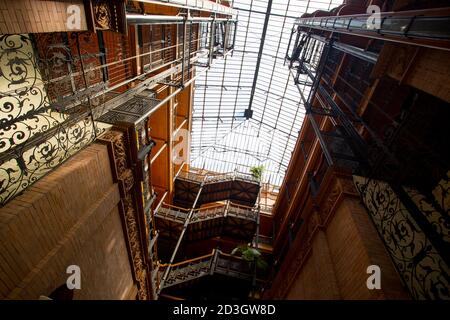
{"x":118,"y":143}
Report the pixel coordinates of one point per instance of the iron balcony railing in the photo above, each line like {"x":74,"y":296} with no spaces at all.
{"x":177,"y":214}
{"x":429,"y":27}
{"x":215,"y":262}
{"x":216,"y":177}
{"x":57,"y":86}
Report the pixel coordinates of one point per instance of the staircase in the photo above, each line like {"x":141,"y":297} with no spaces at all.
{"x":216,"y":262}
{"x":239,"y":187}
{"x":236,"y":218}
{"x":224,"y":219}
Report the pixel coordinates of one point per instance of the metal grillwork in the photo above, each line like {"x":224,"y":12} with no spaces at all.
{"x":380,"y":130}
{"x":201,"y":214}
{"x":130,"y":111}
{"x":216,"y":262}
{"x":188,"y":271}
{"x":422,"y":266}
{"x":58,"y":87}
{"x":241,"y":188}
{"x":215,"y":177}
{"x":172,"y":213}
{"x":46,"y":105}
{"x":314,"y":60}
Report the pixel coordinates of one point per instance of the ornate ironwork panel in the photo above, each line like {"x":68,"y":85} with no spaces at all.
{"x":109,"y":15}
{"x":38,"y":75}
{"x":130,"y":111}
{"x":438,"y":220}
{"x":419,"y":264}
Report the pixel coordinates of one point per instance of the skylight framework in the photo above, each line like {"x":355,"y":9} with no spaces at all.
{"x":247,"y":110}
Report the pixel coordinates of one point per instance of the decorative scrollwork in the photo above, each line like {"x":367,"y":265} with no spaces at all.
{"x":30,"y":165}
{"x":421,"y":267}
{"x":438,"y":221}
{"x":23,"y":101}
{"x":40,"y":74}
{"x":125,"y":174}
{"x":107,"y":15}
{"x":102,"y":16}
{"x":441,"y":194}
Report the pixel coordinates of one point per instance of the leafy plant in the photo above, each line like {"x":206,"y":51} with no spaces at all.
{"x":251,"y":255}
{"x":257,"y":172}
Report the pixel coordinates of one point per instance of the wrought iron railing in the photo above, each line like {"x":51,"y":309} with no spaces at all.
{"x":208,"y":213}
{"x":216,"y":177}
{"x":187,"y":270}
{"x":55,"y":88}
{"x":172,"y":213}
{"x":180,"y":215}
{"x":423,"y":268}
{"x":425,"y":27}
{"x":46,"y":106}
{"x":366,"y":137}
{"x":265,"y":208}
{"x":263,"y":240}
{"x":215,"y":262}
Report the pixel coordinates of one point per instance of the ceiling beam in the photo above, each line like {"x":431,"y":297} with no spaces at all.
{"x":261,"y":47}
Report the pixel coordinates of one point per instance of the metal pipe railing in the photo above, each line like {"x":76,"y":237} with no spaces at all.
{"x":428,"y":28}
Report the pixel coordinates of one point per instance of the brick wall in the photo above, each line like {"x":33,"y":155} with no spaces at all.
{"x":317,"y":279}
{"x":339,"y":257}
{"x":423,"y":68}
{"x":430,"y":72}
{"x":69,"y":217}
{"x":329,"y":256}
{"x":117,"y":48}
{"x":33,"y":16}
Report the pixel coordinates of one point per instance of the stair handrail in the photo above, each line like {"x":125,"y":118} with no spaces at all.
{"x":210,"y":207}
{"x":170,"y":211}
{"x":242,"y":206}
{"x":210,"y":211}
{"x":250,"y":212}
{"x":176,"y":207}
{"x":210,"y":262}
{"x":214,"y":177}
{"x":186,"y":262}
{"x":209,"y":255}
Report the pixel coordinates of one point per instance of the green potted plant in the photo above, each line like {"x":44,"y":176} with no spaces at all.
{"x":251,"y":255}
{"x":257,"y":172}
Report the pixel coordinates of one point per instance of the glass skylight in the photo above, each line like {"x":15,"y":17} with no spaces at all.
{"x":223,"y":140}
